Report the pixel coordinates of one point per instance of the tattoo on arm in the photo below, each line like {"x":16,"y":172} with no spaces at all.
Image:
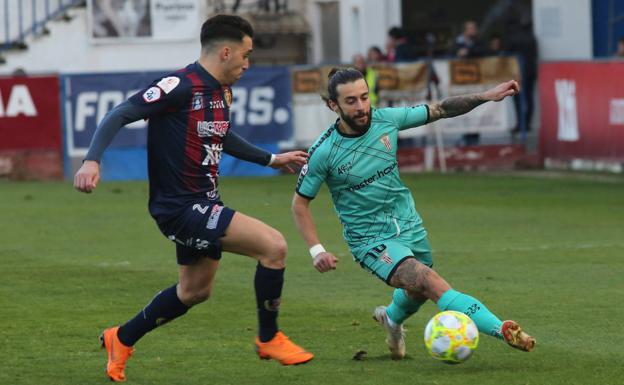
{"x":454,"y":106}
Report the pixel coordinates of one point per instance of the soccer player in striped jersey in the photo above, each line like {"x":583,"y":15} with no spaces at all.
{"x":356,"y":158}
{"x":189,"y":128}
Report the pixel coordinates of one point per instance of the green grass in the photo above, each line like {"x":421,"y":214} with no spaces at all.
{"x":547,"y":252}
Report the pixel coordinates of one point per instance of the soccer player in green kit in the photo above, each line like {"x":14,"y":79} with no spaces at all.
{"x":356,"y":158}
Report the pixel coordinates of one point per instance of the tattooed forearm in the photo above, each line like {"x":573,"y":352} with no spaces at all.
{"x":454,"y":106}
{"x":458,"y":105}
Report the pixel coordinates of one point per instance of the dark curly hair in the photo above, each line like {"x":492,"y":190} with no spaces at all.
{"x":336,"y":77}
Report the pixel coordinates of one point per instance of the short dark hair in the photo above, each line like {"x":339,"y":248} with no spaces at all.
{"x":338,"y":76}
{"x":224,"y":27}
{"x":376,"y":49}
{"x":396,"y":33}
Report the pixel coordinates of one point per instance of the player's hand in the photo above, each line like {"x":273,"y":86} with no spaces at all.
{"x":87,"y":177}
{"x":501,"y":91}
{"x":290,"y":161}
{"x":325,"y":262}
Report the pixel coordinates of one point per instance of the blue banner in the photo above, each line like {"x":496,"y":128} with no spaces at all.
{"x":261,"y":106}
{"x":89,"y":97}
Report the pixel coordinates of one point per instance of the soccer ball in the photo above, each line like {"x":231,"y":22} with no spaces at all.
{"x":451,"y":336}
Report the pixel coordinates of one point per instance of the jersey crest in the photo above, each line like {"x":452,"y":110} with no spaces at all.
{"x":227,"y":93}
{"x":385,"y":140}
{"x":198,"y":101}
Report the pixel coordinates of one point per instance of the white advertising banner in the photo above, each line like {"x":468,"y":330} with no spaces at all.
{"x":115,"y":21}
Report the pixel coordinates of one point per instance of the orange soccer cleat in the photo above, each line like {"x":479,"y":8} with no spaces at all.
{"x":282,"y":349}
{"x":516,"y":337}
{"x":118,"y":354}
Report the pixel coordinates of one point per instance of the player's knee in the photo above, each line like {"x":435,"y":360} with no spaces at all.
{"x":277,"y":249}
{"x":418,"y":279}
{"x":428,"y":283}
{"x":281,"y":248}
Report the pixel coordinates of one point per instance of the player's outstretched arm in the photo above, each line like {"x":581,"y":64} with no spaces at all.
{"x":238,"y":147}
{"x":459,"y":105}
{"x":323,"y":261}
{"x":290,"y":161}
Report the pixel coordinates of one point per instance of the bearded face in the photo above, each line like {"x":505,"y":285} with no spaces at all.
{"x":353,"y":105}
{"x":359,"y":121}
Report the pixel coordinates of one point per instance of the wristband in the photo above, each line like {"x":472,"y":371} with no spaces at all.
{"x":272,"y":159}
{"x":316,"y":250}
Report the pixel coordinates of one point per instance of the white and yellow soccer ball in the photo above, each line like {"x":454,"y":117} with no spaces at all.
{"x":451,"y":336}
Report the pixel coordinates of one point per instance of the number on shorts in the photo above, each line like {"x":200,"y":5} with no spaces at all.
{"x":200,"y":208}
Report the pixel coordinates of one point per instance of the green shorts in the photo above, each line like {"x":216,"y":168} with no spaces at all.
{"x":384,"y":257}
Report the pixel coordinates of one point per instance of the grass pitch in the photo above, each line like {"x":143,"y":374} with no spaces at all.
{"x":547,"y":252}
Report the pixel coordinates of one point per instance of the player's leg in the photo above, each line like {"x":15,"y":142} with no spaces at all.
{"x":405,"y":303}
{"x":251,"y":237}
{"x":194,"y":286}
{"x":382,"y":259}
{"x":420,"y":280}
{"x":198,"y":252}
{"x":248,"y":236}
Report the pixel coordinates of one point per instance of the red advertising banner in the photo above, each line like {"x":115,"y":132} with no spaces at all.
{"x":30,"y":113}
{"x":582,"y":112}
{"x":484,"y":157}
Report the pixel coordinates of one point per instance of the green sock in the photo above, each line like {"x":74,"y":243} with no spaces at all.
{"x":486,"y":322}
{"x":402,"y":306}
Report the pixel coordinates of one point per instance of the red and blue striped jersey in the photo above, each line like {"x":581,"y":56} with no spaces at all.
{"x":189,"y":116}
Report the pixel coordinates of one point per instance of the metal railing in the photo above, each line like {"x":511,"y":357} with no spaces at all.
{"x":242,"y":6}
{"x":25,"y":18}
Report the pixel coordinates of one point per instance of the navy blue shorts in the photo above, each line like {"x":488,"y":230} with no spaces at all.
{"x":197,"y":230}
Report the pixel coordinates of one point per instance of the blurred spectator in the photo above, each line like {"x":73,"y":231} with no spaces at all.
{"x":265,"y":5}
{"x":19,"y":72}
{"x":522,"y":42}
{"x":398,"y":48}
{"x":374,"y":55}
{"x":495,"y":46}
{"x":370,"y":75}
{"x":468,"y":44}
{"x":619,"y":52}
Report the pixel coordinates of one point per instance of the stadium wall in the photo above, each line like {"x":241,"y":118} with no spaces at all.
{"x":361,"y":23}
{"x":563,"y":29}
{"x":69,"y":49}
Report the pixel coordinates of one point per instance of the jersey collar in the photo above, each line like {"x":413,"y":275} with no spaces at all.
{"x":337,"y":125}
{"x":206,"y":76}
